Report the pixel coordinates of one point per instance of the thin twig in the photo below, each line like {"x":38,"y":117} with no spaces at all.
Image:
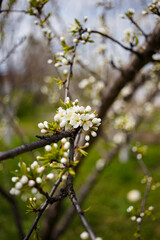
{"x":13,"y":11}
{"x":116,"y":41}
{"x":41,"y":211}
{"x":75,"y":203}
{"x":138,"y":27}
{"x":148,"y":187}
{"x":72,"y":195}
{"x":13,"y":49}
{"x":69,"y":76}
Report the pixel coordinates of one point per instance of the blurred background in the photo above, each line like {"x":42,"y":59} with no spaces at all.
{"x":29,"y":95}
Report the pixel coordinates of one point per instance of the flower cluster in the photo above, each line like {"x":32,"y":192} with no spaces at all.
{"x":130,"y":13}
{"x":137,"y":216}
{"x":77,"y":116}
{"x":139,"y":150}
{"x":129,"y":36}
{"x":71,"y":114}
{"x":29,"y":177}
{"x":125,"y":122}
{"x":154,"y":7}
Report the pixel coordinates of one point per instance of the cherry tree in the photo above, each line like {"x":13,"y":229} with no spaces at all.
{"x":108,"y":110}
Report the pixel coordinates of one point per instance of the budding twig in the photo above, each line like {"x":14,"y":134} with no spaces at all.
{"x":42,"y":209}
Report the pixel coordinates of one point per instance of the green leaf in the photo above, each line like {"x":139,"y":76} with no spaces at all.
{"x":23,"y":168}
{"x":91,"y":41}
{"x":63,"y":104}
{"x":84,"y":153}
{"x":67,"y":48}
{"x":72,"y":172}
{"x":77,"y":22}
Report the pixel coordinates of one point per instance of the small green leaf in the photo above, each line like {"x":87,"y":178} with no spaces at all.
{"x":77,"y":22}
{"x":63,"y":104}
{"x":84,"y":153}
{"x":72,"y":172}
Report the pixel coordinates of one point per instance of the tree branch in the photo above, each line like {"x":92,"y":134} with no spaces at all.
{"x":138,"y":27}
{"x":37,"y":144}
{"x":13,"y":11}
{"x":116,"y":41}
{"x":42,"y":209}
{"x":72,"y":196}
{"x":70,"y":72}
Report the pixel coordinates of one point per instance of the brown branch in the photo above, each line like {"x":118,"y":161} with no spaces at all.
{"x":72,"y":195}
{"x":78,"y":209}
{"x":69,"y":76}
{"x":130,"y":71}
{"x":37,"y":144}
{"x":13,"y":11}
{"x":1,"y":1}
{"x":15,"y":210}
{"x":116,"y":41}
{"x":138,"y":27}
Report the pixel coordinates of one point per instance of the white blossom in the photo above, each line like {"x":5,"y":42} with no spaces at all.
{"x":15,"y":179}
{"x":48,"y":148}
{"x":94,"y":134}
{"x":41,"y":125}
{"x":14,"y":191}
{"x":87,"y":137}
{"x":34,"y":190}
{"x":151,"y":208}
{"x":40,"y":169}
{"x":50,"y":176}
{"x":50,"y":61}
{"x":38,"y":180}
{"x":130,"y":208}
{"x":133,"y":218}
{"x":31,"y":183}
{"x":24,"y":179}
{"x":18,"y":185}
{"x":43,"y":131}
{"x":63,"y":160}
{"x":139,"y":219}
{"x":35,"y":163}
{"x":66,"y":145}
{"x":84,"y":235}
{"x":133,"y":195}
{"x":63,"y":140}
